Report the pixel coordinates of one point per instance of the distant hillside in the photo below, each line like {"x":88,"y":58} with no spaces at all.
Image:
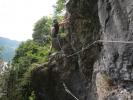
{"x":9,"y":47}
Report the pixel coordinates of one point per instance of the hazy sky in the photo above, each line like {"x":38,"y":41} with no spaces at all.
{"x":17,"y":17}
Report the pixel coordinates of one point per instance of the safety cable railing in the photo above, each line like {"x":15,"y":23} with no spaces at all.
{"x":98,"y":41}
{"x":69,"y":92}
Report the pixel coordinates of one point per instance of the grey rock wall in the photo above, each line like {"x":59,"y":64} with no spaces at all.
{"x":116,"y":58}
{"x":102,"y":71}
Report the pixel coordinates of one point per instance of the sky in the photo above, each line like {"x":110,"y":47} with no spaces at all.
{"x":17,"y":17}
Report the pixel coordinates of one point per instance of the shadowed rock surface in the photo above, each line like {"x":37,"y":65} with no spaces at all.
{"x":103,"y":71}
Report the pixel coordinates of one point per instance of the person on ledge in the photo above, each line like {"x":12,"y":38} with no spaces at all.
{"x":55,"y":27}
{"x":55,"y":30}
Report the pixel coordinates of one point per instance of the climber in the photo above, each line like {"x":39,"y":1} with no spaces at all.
{"x":55,"y":30}
{"x":55,"y":27}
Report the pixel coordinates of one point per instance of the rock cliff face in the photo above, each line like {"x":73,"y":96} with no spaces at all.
{"x":91,"y":69}
{"x":116,"y":19}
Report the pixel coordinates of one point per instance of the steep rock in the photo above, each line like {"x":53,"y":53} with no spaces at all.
{"x":116,"y":19}
{"x":89,"y":69}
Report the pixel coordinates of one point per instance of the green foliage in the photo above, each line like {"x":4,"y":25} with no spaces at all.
{"x":41,"y":33}
{"x":32,"y":51}
{"x":27,"y":55}
{"x":59,"y":7}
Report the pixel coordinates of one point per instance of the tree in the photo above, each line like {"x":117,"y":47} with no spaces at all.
{"x":59,"y":7}
{"x":41,"y":33}
{"x":27,"y":54}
